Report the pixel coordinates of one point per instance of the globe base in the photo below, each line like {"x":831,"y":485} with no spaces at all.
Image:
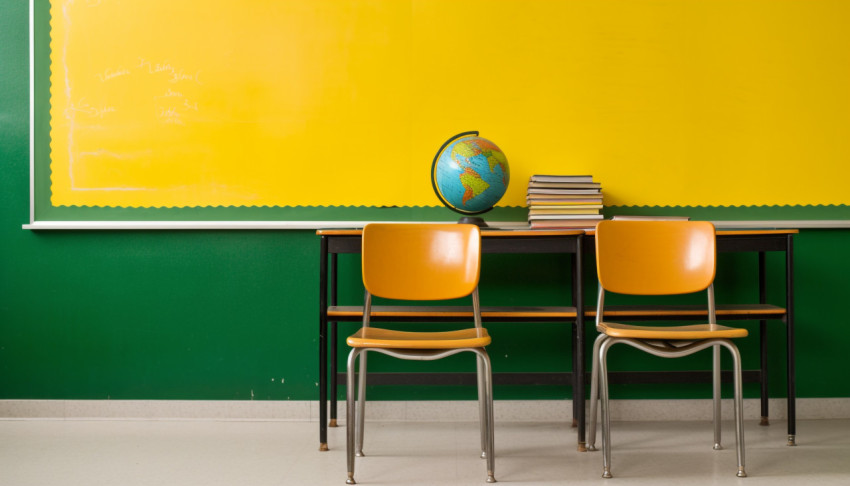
{"x":473,"y":220}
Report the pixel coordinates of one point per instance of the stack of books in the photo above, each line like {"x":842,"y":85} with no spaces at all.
{"x":563,"y":201}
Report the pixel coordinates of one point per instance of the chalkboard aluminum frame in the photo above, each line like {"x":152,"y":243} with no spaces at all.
{"x":35,"y":224}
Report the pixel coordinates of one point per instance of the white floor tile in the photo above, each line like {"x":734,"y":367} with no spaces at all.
{"x":209,"y":453}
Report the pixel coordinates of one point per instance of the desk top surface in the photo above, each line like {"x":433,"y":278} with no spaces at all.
{"x":551,"y":233}
{"x":484,"y":232}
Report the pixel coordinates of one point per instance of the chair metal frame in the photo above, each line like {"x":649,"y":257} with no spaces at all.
{"x":355,"y":414}
{"x":666,"y":348}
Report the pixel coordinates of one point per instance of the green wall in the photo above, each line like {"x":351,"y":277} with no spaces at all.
{"x":233,"y":315}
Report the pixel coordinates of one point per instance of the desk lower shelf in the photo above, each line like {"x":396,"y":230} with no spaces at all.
{"x":547,"y":313}
{"x":449,"y":313}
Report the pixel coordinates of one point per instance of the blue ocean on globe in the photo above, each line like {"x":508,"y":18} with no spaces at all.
{"x":471,"y":175}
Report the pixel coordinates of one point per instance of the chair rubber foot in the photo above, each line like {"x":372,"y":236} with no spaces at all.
{"x":606,"y":474}
{"x":359,"y":454}
{"x":792,"y":440}
{"x":764,"y":422}
{"x":591,"y":448}
{"x":332,"y":423}
{"x":323,"y":446}
{"x":350,"y":479}
{"x":718,"y":447}
{"x":491,"y":478}
{"x":582,"y":447}
{"x":483,"y":455}
{"x":741,"y":473}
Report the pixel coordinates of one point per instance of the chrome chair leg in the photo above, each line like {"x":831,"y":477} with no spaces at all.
{"x":490,"y":446}
{"x":594,"y":393}
{"x":361,"y":404}
{"x":349,"y":414}
{"x":482,"y":405}
{"x":739,"y":407}
{"x":715,"y":378}
{"x":606,"y":414}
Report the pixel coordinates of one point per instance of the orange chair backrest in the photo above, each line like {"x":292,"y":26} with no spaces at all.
{"x":421,"y":261}
{"x":655,"y":257}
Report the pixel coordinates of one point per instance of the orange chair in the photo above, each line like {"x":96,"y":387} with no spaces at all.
{"x":659,"y":258}
{"x":420,"y":262}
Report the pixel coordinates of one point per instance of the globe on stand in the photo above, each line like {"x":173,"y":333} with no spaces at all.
{"x":470,"y":175}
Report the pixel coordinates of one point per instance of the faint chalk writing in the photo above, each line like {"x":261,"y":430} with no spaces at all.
{"x":169,"y":115}
{"x":169,"y":93}
{"x":181,"y":76}
{"x":108,"y":74}
{"x":83,"y":107}
{"x":176,"y":75}
{"x":154,"y":68}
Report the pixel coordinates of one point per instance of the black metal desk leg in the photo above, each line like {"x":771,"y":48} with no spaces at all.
{"x":333,"y":367}
{"x":333,"y":342}
{"x":578,"y":296}
{"x":789,"y":323}
{"x":323,"y":345}
{"x":765,"y":412}
{"x":574,"y":341}
{"x":574,"y":367}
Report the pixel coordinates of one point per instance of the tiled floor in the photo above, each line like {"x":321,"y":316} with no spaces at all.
{"x":185,"y":453}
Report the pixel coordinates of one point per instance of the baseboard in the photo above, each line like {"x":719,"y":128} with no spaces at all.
{"x":505,"y":410}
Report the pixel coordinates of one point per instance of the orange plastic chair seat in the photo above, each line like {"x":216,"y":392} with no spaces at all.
{"x":375,"y":337}
{"x":691,"y":332}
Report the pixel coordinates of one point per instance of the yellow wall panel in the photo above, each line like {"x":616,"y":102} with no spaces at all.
{"x":163,"y":103}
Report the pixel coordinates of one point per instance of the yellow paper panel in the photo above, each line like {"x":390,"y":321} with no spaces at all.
{"x":330,"y":102}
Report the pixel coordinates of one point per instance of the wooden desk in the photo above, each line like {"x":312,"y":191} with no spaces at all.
{"x":335,"y":242}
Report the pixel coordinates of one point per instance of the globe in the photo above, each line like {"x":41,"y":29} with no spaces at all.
{"x":470,"y":174}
